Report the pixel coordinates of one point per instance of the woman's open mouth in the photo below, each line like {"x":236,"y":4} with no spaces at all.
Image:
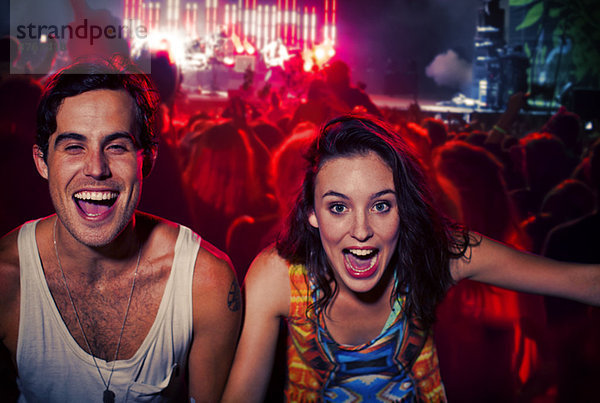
{"x":361,"y":263}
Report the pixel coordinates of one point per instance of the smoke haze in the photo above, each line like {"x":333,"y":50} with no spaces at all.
{"x":449,"y":70}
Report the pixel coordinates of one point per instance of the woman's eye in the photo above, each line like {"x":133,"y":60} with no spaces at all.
{"x":338,"y":208}
{"x":381,"y":207}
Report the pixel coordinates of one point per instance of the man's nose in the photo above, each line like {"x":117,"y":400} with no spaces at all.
{"x":96,"y":165}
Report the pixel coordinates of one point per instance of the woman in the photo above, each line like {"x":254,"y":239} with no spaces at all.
{"x":360,"y":271}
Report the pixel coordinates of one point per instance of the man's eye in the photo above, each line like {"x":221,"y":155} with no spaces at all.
{"x":73,"y":148}
{"x":117,"y":147}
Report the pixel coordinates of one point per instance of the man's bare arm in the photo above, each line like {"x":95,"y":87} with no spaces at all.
{"x":9,"y":291}
{"x":217,"y":315}
{"x":9,"y":313}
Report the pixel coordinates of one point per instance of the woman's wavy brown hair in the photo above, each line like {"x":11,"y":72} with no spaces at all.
{"x":427,"y":240}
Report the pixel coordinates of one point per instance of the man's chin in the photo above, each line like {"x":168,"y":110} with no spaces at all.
{"x":96,"y":233}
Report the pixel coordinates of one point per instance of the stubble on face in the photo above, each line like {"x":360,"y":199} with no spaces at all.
{"x":94,"y":168}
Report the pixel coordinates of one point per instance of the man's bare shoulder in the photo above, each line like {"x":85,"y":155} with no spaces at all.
{"x":9,"y":261}
{"x":213,"y":269}
{"x":214,"y":265}
{"x":154,"y":227}
{"x":158,"y":235}
{"x":217,"y":296}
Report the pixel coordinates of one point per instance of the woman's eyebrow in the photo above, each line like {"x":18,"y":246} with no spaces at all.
{"x":383,"y":193}
{"x":332,"y":193}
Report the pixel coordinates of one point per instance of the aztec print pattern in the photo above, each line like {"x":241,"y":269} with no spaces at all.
{"x":321,"y":370}
{"x":368,"y":372}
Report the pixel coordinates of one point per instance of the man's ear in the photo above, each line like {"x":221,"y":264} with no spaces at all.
{"x":40,"y":163}
{"x":312,"y":219}
{"x":148,"y":162}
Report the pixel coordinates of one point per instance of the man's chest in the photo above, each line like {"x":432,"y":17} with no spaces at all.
{"x":113,"y":318}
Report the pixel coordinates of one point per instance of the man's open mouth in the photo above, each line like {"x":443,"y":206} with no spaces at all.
{"x":95,"y":203}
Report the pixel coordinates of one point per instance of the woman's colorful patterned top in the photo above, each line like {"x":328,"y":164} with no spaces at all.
{"x":398,"y":365}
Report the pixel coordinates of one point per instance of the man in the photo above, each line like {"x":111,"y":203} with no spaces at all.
{"x":101,"y":301}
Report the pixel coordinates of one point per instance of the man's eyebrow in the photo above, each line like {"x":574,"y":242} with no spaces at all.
{"x":68,"y":136}
{"x":121,"y":135}
{"x":80,"y":137}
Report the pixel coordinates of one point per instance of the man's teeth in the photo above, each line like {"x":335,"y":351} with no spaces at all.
{"x":96,"y":196}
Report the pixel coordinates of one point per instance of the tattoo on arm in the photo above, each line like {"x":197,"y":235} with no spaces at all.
{"x":233,"y":298}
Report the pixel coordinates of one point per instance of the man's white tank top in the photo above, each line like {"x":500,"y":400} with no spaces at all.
{"x":52,"y":367}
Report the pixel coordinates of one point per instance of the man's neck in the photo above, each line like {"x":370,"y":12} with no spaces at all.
{"x":97,"y":263}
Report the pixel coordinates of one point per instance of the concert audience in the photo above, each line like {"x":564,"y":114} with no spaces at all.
{"x":498,"y":325}
{"x":545,"y":164}
{"x":249,"y":234}
{"x":569,"y":200}
{"x":574,"y":329}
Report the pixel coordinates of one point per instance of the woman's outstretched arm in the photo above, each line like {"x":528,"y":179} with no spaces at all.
{"x":267,"y":299}
{"x":495,"y":263}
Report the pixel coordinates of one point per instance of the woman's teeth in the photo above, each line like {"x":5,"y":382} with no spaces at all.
{"x":361,"y":260}
{"x":361,"y":252}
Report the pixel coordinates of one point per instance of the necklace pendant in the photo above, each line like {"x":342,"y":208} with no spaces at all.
{"x":108,"y":397}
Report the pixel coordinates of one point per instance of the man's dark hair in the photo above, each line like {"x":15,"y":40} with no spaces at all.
{"x":96,"y":74}
{"x":426,"y":243}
